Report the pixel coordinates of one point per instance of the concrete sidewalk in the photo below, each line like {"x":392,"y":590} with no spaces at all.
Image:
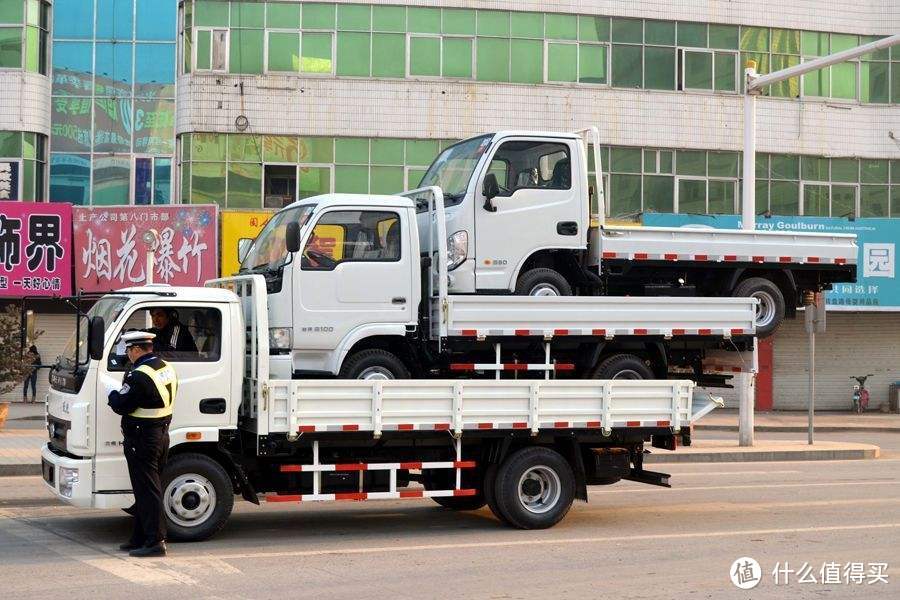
{"x":796,"y":421}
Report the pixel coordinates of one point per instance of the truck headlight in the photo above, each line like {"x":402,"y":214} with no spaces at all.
{"x":280,"y":338}
{"x":457,"y":249}
{"x":67,"y":480}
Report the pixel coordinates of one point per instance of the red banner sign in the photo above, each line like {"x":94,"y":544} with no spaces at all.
{"x":112,"y":245}
{"x":35,"y":249}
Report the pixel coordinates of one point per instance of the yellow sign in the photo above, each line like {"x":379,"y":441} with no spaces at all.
{"x":237,"y":225}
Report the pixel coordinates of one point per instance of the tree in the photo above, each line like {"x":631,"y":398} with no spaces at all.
{"x":15,"y":364}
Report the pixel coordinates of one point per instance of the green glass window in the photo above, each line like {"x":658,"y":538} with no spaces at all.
{"x":817,"y":83}
{"x":459,"y":21}
{"x":698,"y":70}
{"x":526,"y":25}
{"x":317,"y":150}
{"x":843,"y":200}
{"x":389,"y":18}
{"x":593,"y":29}
{"x":692,"y":196}
{"x":33,"y":48}
{"x":354,"y":17}
{"x":28,"y":180}
{"x":425,"y":56}
{"x":665,"y":161}
{"x":351,"y":180}
{"x":625,"y":195}
{"x":318,"y":16}
{"x":725,"y":71}
{"x":313,"y":181}
{"x":625,"y":160}
{"x":693,"y":35}
{"x":284,"y":51}
{"x":112,"y":179}
{"x":244,"y":185}
{"x":785,"y":41}
{"x":649,"y":161}
{"x":456,"y":59}
{"x":627,"y":66}
{"x":387,"y":152}
{"x":11,"y":47}
{"x":690,"y":162}
{"x":493,"y":22}
{"x":659,"y":68}
{"x":246,"y":51}
{"x":386,"y":180}
{"x":244,"y":147}
{"x":874,"y":83}
{"x":10,"y":144}
{"x":351,"y":151}
{"x":815,"y":168}
{"x":873,"y":201}
{"x":873,"y":171}
{"x":813,"y":43}
{"x":493,"y":59}
{"x":755,"y":39}
{"x":185,"y":182}
{"x":895,"y":171}
{"x":845,"y":169}
{"x":815,"y":200}
{"x":424,"y":20}
{"x":761,"y":191}
{"x":895,"y":201}
{"x":723,"y":164}
{"x":789,"y":88}
{"x":353,"y":54}
{"x":561,"y":27}
{"x":784,"y":198}
{"x":761,"y":58}
{"x":724,"y":36}
{"x":895,"y":82}
{"x":526,"y":61}
{"x":208,"y":183}
{"x":721,"y":197}
{"x":248,"y":14}
{"x":388,"y":55}
{"x":421,"y":152}
{"x":762,"y":165}
{"x":659,"y":32}
{"x":280,"y":148}
{"x":208,"y":146}
{"x":29,"y":150}
{"x":413,"y":178}
{"x":211,"y":14}
{"x":12,"y":11}
{"x":283,"y":15}
{"x":659,"y":193}
{"x":629,"y":31}
{"x":785,"y":167}
{"x":592,"y":63}
{"x":843,"y":80}
{"x":562,"y":62}
{"x":315,"y":53}
{"x":843,"y":41}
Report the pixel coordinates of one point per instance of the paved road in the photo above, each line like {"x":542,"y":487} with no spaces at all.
{"x":630,"y":541}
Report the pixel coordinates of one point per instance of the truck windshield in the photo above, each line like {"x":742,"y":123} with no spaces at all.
{"x":269,"y":251}
{"x":452,"y":169}
{"x":108,"y":308}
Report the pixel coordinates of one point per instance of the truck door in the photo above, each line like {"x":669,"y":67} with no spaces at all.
{"x":202,"y":364}
{"x":539,"y":206}
{"x":355,"y":271}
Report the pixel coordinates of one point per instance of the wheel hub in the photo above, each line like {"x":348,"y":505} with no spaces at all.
{"x":190,"y":500}
{"x":544,"y":289}
{"x":765,"y":309}
{"x":539,"y":489}
{"x":376,"y":373}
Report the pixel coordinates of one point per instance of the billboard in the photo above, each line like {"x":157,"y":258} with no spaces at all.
{"x":877,"y":287}
{"x":112,"y":245}
{"x":237,"y":225}
{"x":35,"y":249}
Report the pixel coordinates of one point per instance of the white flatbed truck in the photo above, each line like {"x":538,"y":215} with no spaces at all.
{"x":527,"y":448}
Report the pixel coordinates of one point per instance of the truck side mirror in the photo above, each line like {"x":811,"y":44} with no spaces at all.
{"x":490,"y":189}
{"x":96,"y":335}
{"x":292,"y":237}
{"x":243,"y":248}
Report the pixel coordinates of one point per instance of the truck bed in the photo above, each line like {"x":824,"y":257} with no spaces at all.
{"x":457,"y":406}
{"x":721,"y":245}
{"x":607,"y":316}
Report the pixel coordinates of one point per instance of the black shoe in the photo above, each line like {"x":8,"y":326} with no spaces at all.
{"x":129,"y":546}
{"x":157,"y":549}
{"x":129,"y":510}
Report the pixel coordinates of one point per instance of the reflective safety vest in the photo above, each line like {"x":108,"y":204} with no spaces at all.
{"x":166,"y":384}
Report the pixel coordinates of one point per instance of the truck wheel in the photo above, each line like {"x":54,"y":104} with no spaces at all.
{"x":622,"y":366}
{"x":535,"y":488}
{"x":542,"y":282}
{"x":373,"y":364}
{"x":197,"y":497}
{"x":490,"y":495}
{"x":771,"y":307}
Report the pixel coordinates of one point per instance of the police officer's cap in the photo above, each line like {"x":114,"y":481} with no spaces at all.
{"x":137,"y":338}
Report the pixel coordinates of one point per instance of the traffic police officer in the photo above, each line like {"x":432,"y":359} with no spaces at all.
{"x":145,"y":403}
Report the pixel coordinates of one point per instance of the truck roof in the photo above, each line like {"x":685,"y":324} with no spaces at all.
{"x":535,"y":133}
{"x":326,"y":200}
{"x":182,"y":293}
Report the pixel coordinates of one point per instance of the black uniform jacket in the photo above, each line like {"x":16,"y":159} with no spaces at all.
{"x":138,"y":391}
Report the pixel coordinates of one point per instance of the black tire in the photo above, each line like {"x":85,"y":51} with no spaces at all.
{"x":535,"y":281}
{"x":369,"y":364}
{"x":445,"y":479}
{"x":551,"y":486}
{"x":196,"y":471}
{"x":622,"y":366}
{"x":772,"y":305}
{"x":490,"y":494}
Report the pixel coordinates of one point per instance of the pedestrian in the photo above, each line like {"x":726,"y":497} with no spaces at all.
{"x":145,"y":402}
{"x":34,"y":358}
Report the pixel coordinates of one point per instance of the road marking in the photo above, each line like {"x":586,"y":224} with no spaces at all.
{"x":631,"y":490}
{"x":557,"y":541}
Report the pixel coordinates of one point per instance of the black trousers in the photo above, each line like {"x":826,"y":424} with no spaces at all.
{"x":31,"y":380}
{"x":146,"y":450}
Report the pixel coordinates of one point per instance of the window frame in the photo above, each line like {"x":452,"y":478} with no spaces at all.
{"x":333,"y":35}
{"x":577,"y":44}
{"x":132,"y":192}
{"x":195,"y":46}
{"x":440,"y":38}
{"x":680,"y":64}
{"x":299,"y":34}
{"x":557,"y":142}
{"x":336,"y":209}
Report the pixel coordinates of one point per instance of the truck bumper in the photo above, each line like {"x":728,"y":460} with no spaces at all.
{"x":72,"y":481}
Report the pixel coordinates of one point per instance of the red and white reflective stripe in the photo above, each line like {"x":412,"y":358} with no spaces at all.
{"x":755,"y":258}
{"x":367,"y":427}
{"x":551,"y":333}
{"x":359,"y":496}
{"x":642,"y":424}
{"x":451,"y":464}
{"x":511,"y":367}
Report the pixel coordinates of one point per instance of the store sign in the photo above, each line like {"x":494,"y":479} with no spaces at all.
{"x":35,"y":249}
{"x":238,"y":225}
{"x":877,"y":287}
{"x":112,"y":245}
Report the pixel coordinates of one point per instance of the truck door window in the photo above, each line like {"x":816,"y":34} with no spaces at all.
{"x":352,"y":236}
{"x":183,"y":334}
{"x":532,"y":165}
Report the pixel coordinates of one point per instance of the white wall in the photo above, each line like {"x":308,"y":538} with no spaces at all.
{"x":25,"y":98}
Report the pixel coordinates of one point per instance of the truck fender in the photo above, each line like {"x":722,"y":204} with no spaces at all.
{"x":360,"y":333}
{"x":211,"y":448}
{"x":738,"y":274}
{"x":514,"y":277}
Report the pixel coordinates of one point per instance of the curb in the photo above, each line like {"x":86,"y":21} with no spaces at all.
{"x":764,"y":456}
{"x":803,"y":429}
{"x":19,"y":470}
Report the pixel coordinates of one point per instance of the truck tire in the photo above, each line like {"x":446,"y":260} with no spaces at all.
{"x":622,"y":366}
{"x":535,"y":488}
{"x":542,"y":282}
{"x":490,"y":495}
{"x":771,"y":307}
{"x":373,"y":364}
{"x":198,"y":497}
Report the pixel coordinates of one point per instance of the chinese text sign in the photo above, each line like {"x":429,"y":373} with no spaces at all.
{"x":35,"y":249}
